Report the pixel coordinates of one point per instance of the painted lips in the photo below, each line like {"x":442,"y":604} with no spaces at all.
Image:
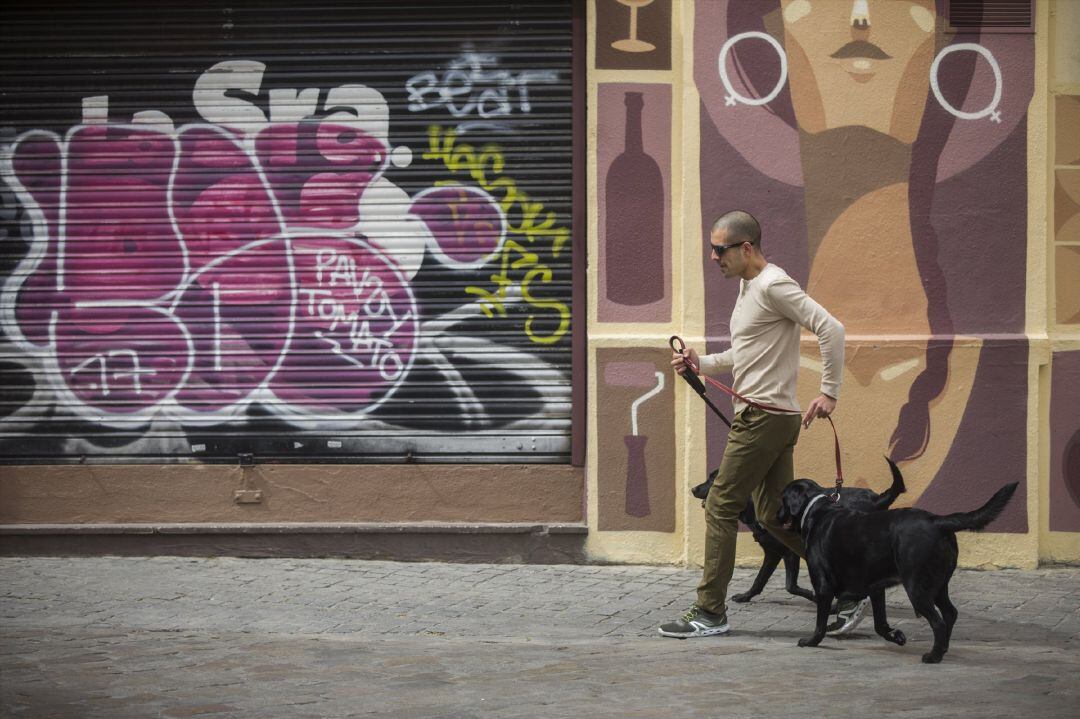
{"x":862,"y":49}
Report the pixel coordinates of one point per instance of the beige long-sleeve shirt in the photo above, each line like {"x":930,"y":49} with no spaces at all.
{"x":764,"y":353}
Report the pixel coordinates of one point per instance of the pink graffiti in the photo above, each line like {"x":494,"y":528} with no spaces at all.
{"x":354,"y":307}
{"x":466,"y":223}
{"x":185,"y":270}
{"x":319,"y":170}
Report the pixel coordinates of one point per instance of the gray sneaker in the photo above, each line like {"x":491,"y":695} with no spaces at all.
{"x":696,"y":623}
{"x":848,"y":616}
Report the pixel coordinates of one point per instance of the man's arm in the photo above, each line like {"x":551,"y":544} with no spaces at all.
{"x":709,"y":364}
{"x":718,"y":363}
{"x":788,"y":299}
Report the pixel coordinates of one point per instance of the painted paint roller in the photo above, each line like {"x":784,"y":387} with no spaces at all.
{"x":635,"y":374}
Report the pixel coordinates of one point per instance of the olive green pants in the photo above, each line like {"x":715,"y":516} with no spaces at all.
{"x":757,"y":463}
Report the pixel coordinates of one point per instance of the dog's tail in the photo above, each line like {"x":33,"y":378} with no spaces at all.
{"x":982,"y":516}
{"x":886,"y":498}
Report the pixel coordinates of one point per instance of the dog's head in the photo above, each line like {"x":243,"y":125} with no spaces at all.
{"x":701,"y":491}
{"x":794,"y":500}
{"x":749,"y":517}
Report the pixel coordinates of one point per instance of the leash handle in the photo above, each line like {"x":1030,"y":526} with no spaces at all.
{"x":692,"y":378}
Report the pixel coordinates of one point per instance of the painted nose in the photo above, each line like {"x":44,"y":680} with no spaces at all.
{"x":860,"y":15}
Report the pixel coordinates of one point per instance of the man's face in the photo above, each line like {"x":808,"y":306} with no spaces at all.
{"x":732,"y":260}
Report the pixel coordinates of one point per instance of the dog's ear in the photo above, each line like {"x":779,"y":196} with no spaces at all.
{"x":783,"y":515}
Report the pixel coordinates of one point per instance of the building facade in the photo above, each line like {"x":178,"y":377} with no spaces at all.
{"x":399,"y":281}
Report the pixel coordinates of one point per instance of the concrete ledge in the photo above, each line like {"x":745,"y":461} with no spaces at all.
{"x":286,"y":493}
{"x":518,"y":543}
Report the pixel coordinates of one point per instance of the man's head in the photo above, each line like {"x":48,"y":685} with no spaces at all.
{"x":736,"y":244}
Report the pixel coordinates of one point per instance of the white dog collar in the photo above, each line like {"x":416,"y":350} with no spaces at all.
{"x":807,"y":508}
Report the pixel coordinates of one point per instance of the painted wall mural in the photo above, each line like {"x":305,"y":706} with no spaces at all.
{"x":633,"y":34}
{"x":1067,"y":209}
{"x":1065,"y":442}
{"x":295,"y":269}
{"x":886,"y":160}
{"x":634,"y":207}
{"x":635,"y":439}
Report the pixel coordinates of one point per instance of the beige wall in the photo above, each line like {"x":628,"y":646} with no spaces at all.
{"x":992,"y":422}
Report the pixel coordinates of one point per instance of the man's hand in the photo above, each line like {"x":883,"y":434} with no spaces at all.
{"x":822,"y":406}
{"x":678,"y":363}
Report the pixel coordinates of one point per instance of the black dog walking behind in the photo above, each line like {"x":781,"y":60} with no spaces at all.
{"x":775,"y":551}
{"x":855,"y":554}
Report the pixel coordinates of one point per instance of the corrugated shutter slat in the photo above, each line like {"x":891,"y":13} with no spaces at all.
{"x":321,"y":232}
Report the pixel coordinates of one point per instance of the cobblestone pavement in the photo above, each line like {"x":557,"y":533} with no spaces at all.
{"x":177,"y":637}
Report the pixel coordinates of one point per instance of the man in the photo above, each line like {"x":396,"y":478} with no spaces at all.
{"x":764,"y":358}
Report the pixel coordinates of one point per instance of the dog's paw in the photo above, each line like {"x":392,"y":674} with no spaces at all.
{"x":896,"y":637}
{"x":809,"y":642}
{"x":742,"y":598}
{"x":931,"y":658}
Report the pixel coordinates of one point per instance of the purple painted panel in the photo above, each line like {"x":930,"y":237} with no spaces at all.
{"x":990,"y":448}
{"x":1065,"y":442}
{"x":634,"y":206}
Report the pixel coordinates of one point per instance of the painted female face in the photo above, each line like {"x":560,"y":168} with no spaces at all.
{"x":860,"y":62}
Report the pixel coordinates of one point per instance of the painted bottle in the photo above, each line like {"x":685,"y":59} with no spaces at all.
{"x":634,"y":220}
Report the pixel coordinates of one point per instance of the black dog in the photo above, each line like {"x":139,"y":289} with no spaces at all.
{"x":862,"y":500}
{"x":854,"y":554}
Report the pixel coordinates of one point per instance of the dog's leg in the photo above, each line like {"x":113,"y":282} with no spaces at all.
{"x":768,"y":566}
{"x":924,"y":606}
{"x":791,"y":567}
{"x":824,"y":602}
{"x":948,"y":613}
{"x":881,"y":624}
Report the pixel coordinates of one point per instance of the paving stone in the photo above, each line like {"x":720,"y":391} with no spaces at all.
{"x":142,"y":637}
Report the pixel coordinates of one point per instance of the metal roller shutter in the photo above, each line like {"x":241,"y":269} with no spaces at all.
{"x":329,"y":231}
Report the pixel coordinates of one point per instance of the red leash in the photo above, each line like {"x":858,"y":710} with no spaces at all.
{"x":681,"y":349}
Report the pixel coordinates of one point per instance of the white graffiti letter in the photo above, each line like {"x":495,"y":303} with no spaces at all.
{"x":213,"y":102}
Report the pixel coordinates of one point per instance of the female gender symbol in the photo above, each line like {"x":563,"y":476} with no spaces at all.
{"x":991,"y":109}
{"x":733,"y":96}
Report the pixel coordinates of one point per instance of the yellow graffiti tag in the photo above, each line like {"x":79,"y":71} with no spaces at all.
{"x":525,"y":217}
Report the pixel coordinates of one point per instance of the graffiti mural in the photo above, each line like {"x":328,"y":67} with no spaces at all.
{"x":295,"y":270}
{"x":886,"y":161}
{"x":474,"y":90}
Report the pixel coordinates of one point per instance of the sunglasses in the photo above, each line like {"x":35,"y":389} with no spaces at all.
{"x":719,"y":249}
